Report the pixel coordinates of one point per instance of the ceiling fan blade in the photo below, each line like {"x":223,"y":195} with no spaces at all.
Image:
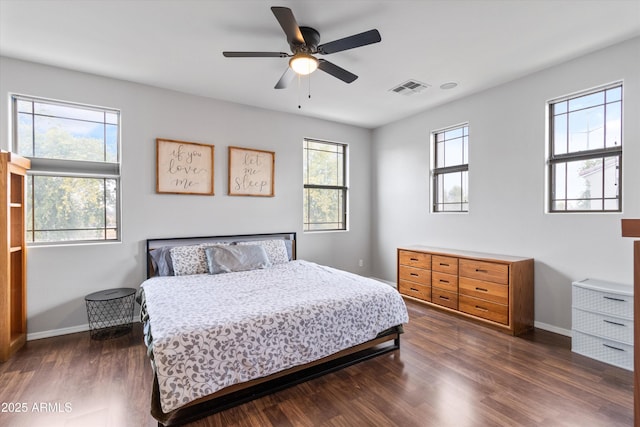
{"x":286,"y":79}
{"x":287,"y":21}
{"x":357,"y":40}
{"x":255,"y":54}
{"x":335,"y":71}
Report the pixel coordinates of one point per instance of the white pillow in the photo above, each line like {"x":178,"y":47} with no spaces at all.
{"x":189,"y":260}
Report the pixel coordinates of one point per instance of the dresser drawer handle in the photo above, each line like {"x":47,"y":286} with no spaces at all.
{"x":444,"y":298}
{"x":415,"y":290}
{"x":613,"y":323}
{"x":615,"y":299}
{"x":479,"y":270}
{"x":481,"y":308}
{"x":415,"y":274}
{"x":414,"y":259}
{"x":481,"y":289}
{"x":613,"y":348}
{"x":444,"y":265}
{"x":444,"y":281}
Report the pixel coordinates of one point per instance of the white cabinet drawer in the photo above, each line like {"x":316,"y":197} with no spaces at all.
{"x":604,"y":350}
{"x":603,"y":302}
{"x":603,"y":326}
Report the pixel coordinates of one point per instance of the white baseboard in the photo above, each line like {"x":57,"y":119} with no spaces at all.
{"x":552,"y":328}
{"x":62,"y":331}
{"x":57,"y":332}
{"x":392,"y":284}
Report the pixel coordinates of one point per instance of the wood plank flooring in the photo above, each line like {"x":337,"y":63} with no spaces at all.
{"x":449,"y":372}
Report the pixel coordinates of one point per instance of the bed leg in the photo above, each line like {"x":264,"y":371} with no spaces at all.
{"x":396,"y":342}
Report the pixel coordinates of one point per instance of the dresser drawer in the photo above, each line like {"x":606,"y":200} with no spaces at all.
{"x":603,"y":326}
{"x":604,"y":350}
{"x":415,"y":259}
{"x":414,"y":274}
{"x":444,"y":298}
{"x":444,"y":264}
{"x":489,"y":291}
{"x":603,"y":302}
{"x":487,"y":271}
{"x":445,"y":281}
{"x":485,"y":309}
{"x":415,"y":290}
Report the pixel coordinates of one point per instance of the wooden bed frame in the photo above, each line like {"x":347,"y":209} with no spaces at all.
{"x":385,"y":342}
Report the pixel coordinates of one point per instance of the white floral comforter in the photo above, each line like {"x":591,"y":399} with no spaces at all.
{"x":213,"y":331}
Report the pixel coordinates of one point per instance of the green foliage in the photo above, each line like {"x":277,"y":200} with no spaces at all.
{"x":58,"y":143}
{"x":323,"y":207}
{"x":63,"y":208}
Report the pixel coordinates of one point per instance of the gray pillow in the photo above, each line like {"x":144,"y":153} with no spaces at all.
{"x":226,"y":259}
{"x":276,"y":249}
{"x":161,"y":258}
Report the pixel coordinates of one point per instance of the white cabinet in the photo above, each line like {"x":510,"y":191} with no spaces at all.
{"x":602,"y":321}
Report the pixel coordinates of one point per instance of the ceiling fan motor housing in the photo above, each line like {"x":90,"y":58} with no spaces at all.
{"x":311,"y":41}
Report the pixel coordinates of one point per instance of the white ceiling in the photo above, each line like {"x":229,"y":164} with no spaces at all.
{"x":178,"y":44}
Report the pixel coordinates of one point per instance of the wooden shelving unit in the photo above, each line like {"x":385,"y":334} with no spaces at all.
{"x":13,"y":254}
{"x":631,"y":228}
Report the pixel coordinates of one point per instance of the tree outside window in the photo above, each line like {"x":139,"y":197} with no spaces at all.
{"x":73,"y":185}
{"x":325,"y":190}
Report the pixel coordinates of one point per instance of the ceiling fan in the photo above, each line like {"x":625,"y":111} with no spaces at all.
{"x":304,"y":43}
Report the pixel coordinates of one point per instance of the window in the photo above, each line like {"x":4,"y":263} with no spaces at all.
{"x":73,"y":187}
{"x":325,"y":188}
{"x":451,"y":169}
{"x":585,"y":160}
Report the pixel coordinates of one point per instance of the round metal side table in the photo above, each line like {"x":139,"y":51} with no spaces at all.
{"x":110,"y":312}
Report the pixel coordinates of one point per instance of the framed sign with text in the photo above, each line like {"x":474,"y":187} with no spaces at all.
{"x":184,"y":167}
{"x":251,"y":172}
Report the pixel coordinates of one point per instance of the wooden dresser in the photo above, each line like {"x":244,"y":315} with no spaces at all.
{"x":496,"y":290}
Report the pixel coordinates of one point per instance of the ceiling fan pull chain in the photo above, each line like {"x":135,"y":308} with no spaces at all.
{"x":309,"y":76}
{"x":299,"y":103}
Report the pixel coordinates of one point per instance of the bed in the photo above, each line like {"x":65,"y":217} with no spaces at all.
{"x":228,"y":319}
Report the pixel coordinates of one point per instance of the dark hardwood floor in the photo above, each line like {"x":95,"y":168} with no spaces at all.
{"x":449,"y":372}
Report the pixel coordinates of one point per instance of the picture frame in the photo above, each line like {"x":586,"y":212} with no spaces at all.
{"x":184,"y":167}
{"x":251,"y":172}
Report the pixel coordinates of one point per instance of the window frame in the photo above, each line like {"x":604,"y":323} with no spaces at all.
{"x":436,"y":171}
{"x":598,"y":153}
{"x":343,"y":188}
{"x":67,"y":168}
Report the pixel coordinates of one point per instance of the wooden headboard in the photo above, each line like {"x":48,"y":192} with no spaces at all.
{"x":185,"y":241}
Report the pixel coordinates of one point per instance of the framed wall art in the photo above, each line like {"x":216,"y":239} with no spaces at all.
{"x":184,"y":167}
{"x":251,"y":172}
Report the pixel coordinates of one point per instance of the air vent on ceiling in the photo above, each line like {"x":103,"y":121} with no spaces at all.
{"x":409,"y":87}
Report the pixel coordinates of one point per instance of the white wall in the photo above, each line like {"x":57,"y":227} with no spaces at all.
{"x":59,"y":277}
{"x":388,"y":200}
{"x":507,"y":183}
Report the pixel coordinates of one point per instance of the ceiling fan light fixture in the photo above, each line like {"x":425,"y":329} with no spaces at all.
{"x":303,"y":63}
